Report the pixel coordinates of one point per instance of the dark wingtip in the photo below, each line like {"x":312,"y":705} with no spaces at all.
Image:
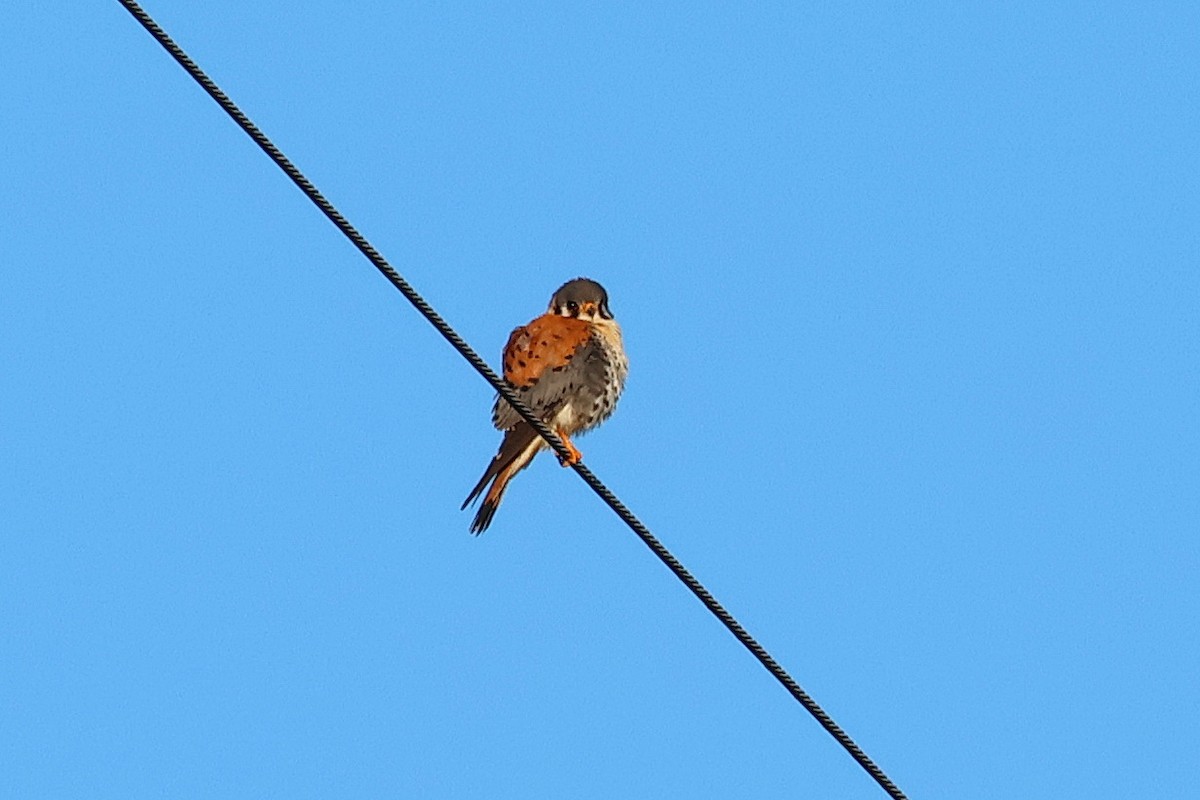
{"x":478,"y":490}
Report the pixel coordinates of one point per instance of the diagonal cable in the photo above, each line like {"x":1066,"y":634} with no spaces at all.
{"x":473,"y":358}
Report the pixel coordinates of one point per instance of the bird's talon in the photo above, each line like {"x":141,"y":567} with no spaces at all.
{"x":573,"y":455}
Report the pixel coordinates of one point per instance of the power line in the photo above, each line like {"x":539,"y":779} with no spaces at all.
{"x":459,"y":344}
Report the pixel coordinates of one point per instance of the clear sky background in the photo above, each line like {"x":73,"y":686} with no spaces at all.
{"x":911,"y":296}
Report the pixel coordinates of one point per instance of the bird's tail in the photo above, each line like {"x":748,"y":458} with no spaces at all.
{"x":520,"y":445}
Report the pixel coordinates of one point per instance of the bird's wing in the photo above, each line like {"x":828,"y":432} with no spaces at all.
{"x":544,"y":362}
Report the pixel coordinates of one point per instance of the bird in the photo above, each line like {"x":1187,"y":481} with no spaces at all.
{"x":569,"y":366}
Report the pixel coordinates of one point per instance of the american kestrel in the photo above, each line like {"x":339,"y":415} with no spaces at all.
{"x":569,"y":367}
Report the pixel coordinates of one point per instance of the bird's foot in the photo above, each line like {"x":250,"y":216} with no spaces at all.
{"x":574,"y":456}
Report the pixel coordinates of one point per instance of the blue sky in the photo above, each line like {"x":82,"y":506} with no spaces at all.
{"x":910,"y":294}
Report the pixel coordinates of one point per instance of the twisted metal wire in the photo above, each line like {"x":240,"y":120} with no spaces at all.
{"x":505,"y":391}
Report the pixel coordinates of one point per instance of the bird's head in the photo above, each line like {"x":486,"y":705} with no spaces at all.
{"x":582,"y":299}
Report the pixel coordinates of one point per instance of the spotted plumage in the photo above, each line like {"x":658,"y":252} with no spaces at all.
{"x":569,"y":367}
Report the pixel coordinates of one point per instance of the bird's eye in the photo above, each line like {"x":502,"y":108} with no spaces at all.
{"x":573,"y":307}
